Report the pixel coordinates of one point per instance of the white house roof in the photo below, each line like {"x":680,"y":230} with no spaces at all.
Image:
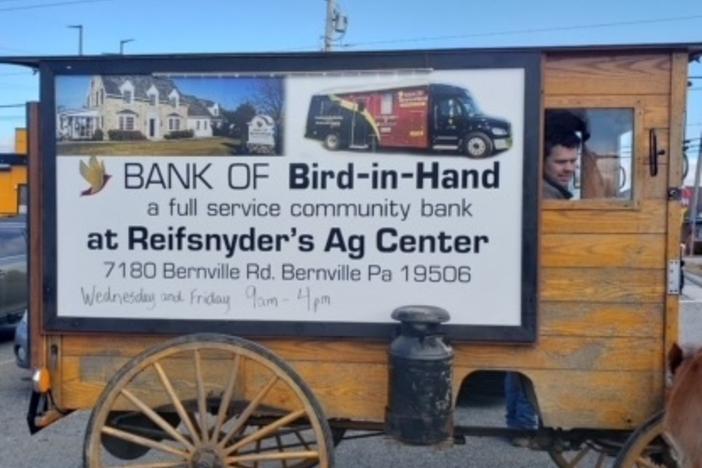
{"x":79,"y":113}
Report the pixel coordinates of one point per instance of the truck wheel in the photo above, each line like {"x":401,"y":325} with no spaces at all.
{"x":332,"y":142}
{"x":477,"y":145}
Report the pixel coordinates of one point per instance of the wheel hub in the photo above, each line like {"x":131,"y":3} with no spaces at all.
{"x":207,"y":457}
{"x":476,"y":146}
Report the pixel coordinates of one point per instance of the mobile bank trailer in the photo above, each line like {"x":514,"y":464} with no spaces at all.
{"x":436,"y":116}
{"x":218,"y":310}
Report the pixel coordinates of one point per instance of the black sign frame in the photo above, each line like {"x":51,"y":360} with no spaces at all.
{"x":529,"y":61}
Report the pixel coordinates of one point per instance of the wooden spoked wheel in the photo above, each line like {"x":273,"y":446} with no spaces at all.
{"x":591,"y":453}
{"x":647,"y":447}
{"x":207,"y":401}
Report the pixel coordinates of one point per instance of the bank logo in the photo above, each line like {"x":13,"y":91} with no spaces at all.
{"x":93,"y":173}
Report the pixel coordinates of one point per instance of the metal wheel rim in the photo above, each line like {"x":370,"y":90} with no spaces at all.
{"x":476,"y":146}
{"x":647,"y":447}
{"x":332,"y":142}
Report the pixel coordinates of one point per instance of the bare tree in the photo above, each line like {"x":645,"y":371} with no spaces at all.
{"x":270,"y":100}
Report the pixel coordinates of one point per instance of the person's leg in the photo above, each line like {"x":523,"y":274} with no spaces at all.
{"x":511,"y":393}
{"x":520,"y":411}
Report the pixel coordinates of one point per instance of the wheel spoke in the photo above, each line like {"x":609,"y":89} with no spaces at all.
{"x":201,"y":402}
{"x":274,"y":456}
{"x":135,"y":439}
{"x":266,"y":430}
{"x":165,"y":381}
{"x":244,"y":416}
{"x":158,"y":420}
{"x":226,"y":398}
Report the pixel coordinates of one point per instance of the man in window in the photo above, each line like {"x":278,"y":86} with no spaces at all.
{"x":562,"y":142}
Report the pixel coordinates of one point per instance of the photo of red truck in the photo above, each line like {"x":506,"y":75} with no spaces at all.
{"x":418,"y":117}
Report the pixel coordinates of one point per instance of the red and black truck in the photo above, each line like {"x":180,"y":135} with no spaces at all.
{"x":419,"y":117}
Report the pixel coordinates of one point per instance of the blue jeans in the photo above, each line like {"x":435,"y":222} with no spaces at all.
{"x":520,"y":411}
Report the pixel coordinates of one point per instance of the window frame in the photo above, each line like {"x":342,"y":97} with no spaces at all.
{"x":124,"y":123}
{"x":602,"y":103}
{"x":387,"y":103}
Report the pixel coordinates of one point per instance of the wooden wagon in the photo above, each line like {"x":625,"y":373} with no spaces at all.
{"x":596,"y":277}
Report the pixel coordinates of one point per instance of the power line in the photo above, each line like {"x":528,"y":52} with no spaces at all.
{"x":529,"y":31}
{"x":8,"y":106}
{"x":47,"y":5}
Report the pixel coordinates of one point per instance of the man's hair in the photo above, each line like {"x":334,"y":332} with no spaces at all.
{"x":569,"y":140}
{"x":565,"y":129}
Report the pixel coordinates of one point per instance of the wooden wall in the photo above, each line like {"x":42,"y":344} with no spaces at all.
{"x":605,"y":318}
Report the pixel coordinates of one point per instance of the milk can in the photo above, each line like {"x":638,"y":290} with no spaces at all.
{"x":420,"y":409}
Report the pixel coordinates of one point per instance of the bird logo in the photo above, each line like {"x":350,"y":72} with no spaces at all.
{"x":94,"y":174}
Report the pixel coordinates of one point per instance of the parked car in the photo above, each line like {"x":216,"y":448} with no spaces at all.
{"x":22,"y":343}
{"x":13,"y":268}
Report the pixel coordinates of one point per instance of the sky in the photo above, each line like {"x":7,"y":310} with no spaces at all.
{"x":40,"y":27}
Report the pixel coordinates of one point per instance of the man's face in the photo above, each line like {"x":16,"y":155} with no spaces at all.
{"x":559,"y":166}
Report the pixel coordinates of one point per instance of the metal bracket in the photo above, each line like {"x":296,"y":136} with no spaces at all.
{"x":653,"y":152}
{"x":674,"y":277}
{"x":674,"y":194}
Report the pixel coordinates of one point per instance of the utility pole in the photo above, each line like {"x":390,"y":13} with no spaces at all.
{"x":693,"y":204}
{"x":336,"y":22}
{"x":121,"y":45}
{"x":329,"y":25}
{"x":79,"y":27}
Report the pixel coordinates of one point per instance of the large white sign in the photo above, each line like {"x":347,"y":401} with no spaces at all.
{"x":382,"y":190}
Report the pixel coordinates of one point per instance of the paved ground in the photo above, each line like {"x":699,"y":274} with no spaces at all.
{"x":691,"y":305}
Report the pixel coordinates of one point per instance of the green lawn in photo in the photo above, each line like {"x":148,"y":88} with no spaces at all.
{"x":215,"y":146}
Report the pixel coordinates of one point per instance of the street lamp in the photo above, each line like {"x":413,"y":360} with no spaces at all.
{"x":79,"y":27}
{"x":121,"y":45}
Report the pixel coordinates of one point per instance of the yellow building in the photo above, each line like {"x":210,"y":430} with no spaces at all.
{"x":13,"y":177}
